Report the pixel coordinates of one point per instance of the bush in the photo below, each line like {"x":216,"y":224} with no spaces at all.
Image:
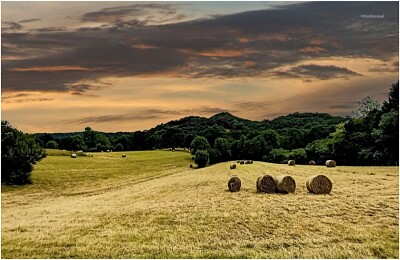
{"x":201,"y":158}
{"x":199,"y":143}
{"x":19,"y":152}
{"x":119,"y":147}
{"x":52,"y":144}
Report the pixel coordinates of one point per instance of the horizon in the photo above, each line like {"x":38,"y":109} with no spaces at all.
{"x":129,"y":66}
{"x":147,"y":129}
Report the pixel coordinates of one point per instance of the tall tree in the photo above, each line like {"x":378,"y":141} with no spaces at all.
{"x":19,"y":152}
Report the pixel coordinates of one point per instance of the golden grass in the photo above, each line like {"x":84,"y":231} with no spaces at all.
{"x":151,"y":205}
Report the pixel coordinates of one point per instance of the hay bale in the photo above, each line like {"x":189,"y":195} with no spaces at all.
{"x":233,"y":166}
{"x":249,"y":162}
{"x":285,"y":184}
{"x":191,"y":166}
{"x":266,"y":184}
{"x":291,"y":163}
{"x":234,"y":184}
{"x":311,"y":162}
{"x":238,"y":161}
{"x":241,"y":162}
{"x":330,"y":163}
{"x":319,"y":184}
{"x":124,"y":155}
{"x":73,"y":155}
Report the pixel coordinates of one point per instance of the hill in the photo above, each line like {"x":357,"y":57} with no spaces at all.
{"x":152,"y":205}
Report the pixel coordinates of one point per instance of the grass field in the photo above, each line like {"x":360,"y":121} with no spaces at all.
{"x":152,"y":205}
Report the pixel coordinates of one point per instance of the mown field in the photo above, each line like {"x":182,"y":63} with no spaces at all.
{"x":152,"y":205}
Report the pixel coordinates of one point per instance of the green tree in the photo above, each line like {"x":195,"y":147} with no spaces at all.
{"x":119,"y":147}
{"x":366,"y":105}
{"x":389,"y":136}
{"x":392,"y":105}
{"x":199,"y":143}
{"x":222,"y":146}
{"x":201,"y":158}
{"x":19,"y":152}
{"x":52,"y":144}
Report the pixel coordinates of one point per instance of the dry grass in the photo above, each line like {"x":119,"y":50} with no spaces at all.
{"x":151,"y":205}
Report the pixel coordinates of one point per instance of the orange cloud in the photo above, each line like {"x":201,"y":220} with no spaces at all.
{"x":312,"y":50}
{"x":54,"y":68}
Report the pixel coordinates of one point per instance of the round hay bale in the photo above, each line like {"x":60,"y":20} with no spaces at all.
{"x":311,"y":162}
{"x":330,"y":163}
{"x":319,"y":184}
{"x":234,"y":184}
{"x":192,"y":157}
{"x":233,"y":166}
{"x":124,"y":155}
{"x":241,"y":162}
{"x":266,"y":184}
{"x":285,"y":184}
{"x":73,"y":155}
{"x":291,"y":163}
{"x":238,"y":161}
{"x":250,"y":161}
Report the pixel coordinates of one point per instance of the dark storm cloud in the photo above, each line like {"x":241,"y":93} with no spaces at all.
{"x":316,"y":72}
{"x":253,"y":43}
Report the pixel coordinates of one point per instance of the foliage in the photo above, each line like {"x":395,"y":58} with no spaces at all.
{"x":19,"y":152}
{"x":52,"y":144}
{"x":201,"y":158}
{"x":369,"y":138}
{"x":366,"y":106}
{"x":199,"y":143}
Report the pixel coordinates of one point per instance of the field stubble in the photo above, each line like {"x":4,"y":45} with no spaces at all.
{"x":152,"y":205}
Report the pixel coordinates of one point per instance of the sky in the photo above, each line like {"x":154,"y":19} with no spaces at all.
{"x":127,"y":66}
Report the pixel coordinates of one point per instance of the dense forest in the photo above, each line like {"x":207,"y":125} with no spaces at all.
{"x":369,"y":137}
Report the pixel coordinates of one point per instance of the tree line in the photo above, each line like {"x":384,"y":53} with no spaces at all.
{"x":369,"y":137}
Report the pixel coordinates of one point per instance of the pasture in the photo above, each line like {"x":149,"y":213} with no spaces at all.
{"x":152,"y":205}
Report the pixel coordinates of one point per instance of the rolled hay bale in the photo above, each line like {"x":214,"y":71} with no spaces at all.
{"x":73,"y":155}
{"x":311,"y":162}
{"x":238,"y":161}
{"x":124,"y":155}
{"x":241,"y":162}
{"x":233,"y":166}
{"x":234,"y":184}
{"x":319,"y":184}
{"x":291,"y":163}
{"x":250,"y":161}
{"x":191,"y":166}
{"x":285,"y":184}
{"x":330,"y":163}
{"x":266,"y":184}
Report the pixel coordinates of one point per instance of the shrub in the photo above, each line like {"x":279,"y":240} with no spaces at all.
{"x":19,"y":152}
{"x":119,"y":147}
{"x":52,"y":144}
{"x":201,"y":158}
{"x":199,"y":143}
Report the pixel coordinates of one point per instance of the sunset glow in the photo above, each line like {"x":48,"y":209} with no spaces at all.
{"x":126,"y":66}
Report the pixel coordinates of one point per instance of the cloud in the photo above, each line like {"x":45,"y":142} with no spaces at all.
{"x":146,"y":114}
{"x":132,"y":40}
{"x":11,"y":26}
{"x":312,"y":71}
{"x":30,"y":20}
{"x":22,"y":98}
